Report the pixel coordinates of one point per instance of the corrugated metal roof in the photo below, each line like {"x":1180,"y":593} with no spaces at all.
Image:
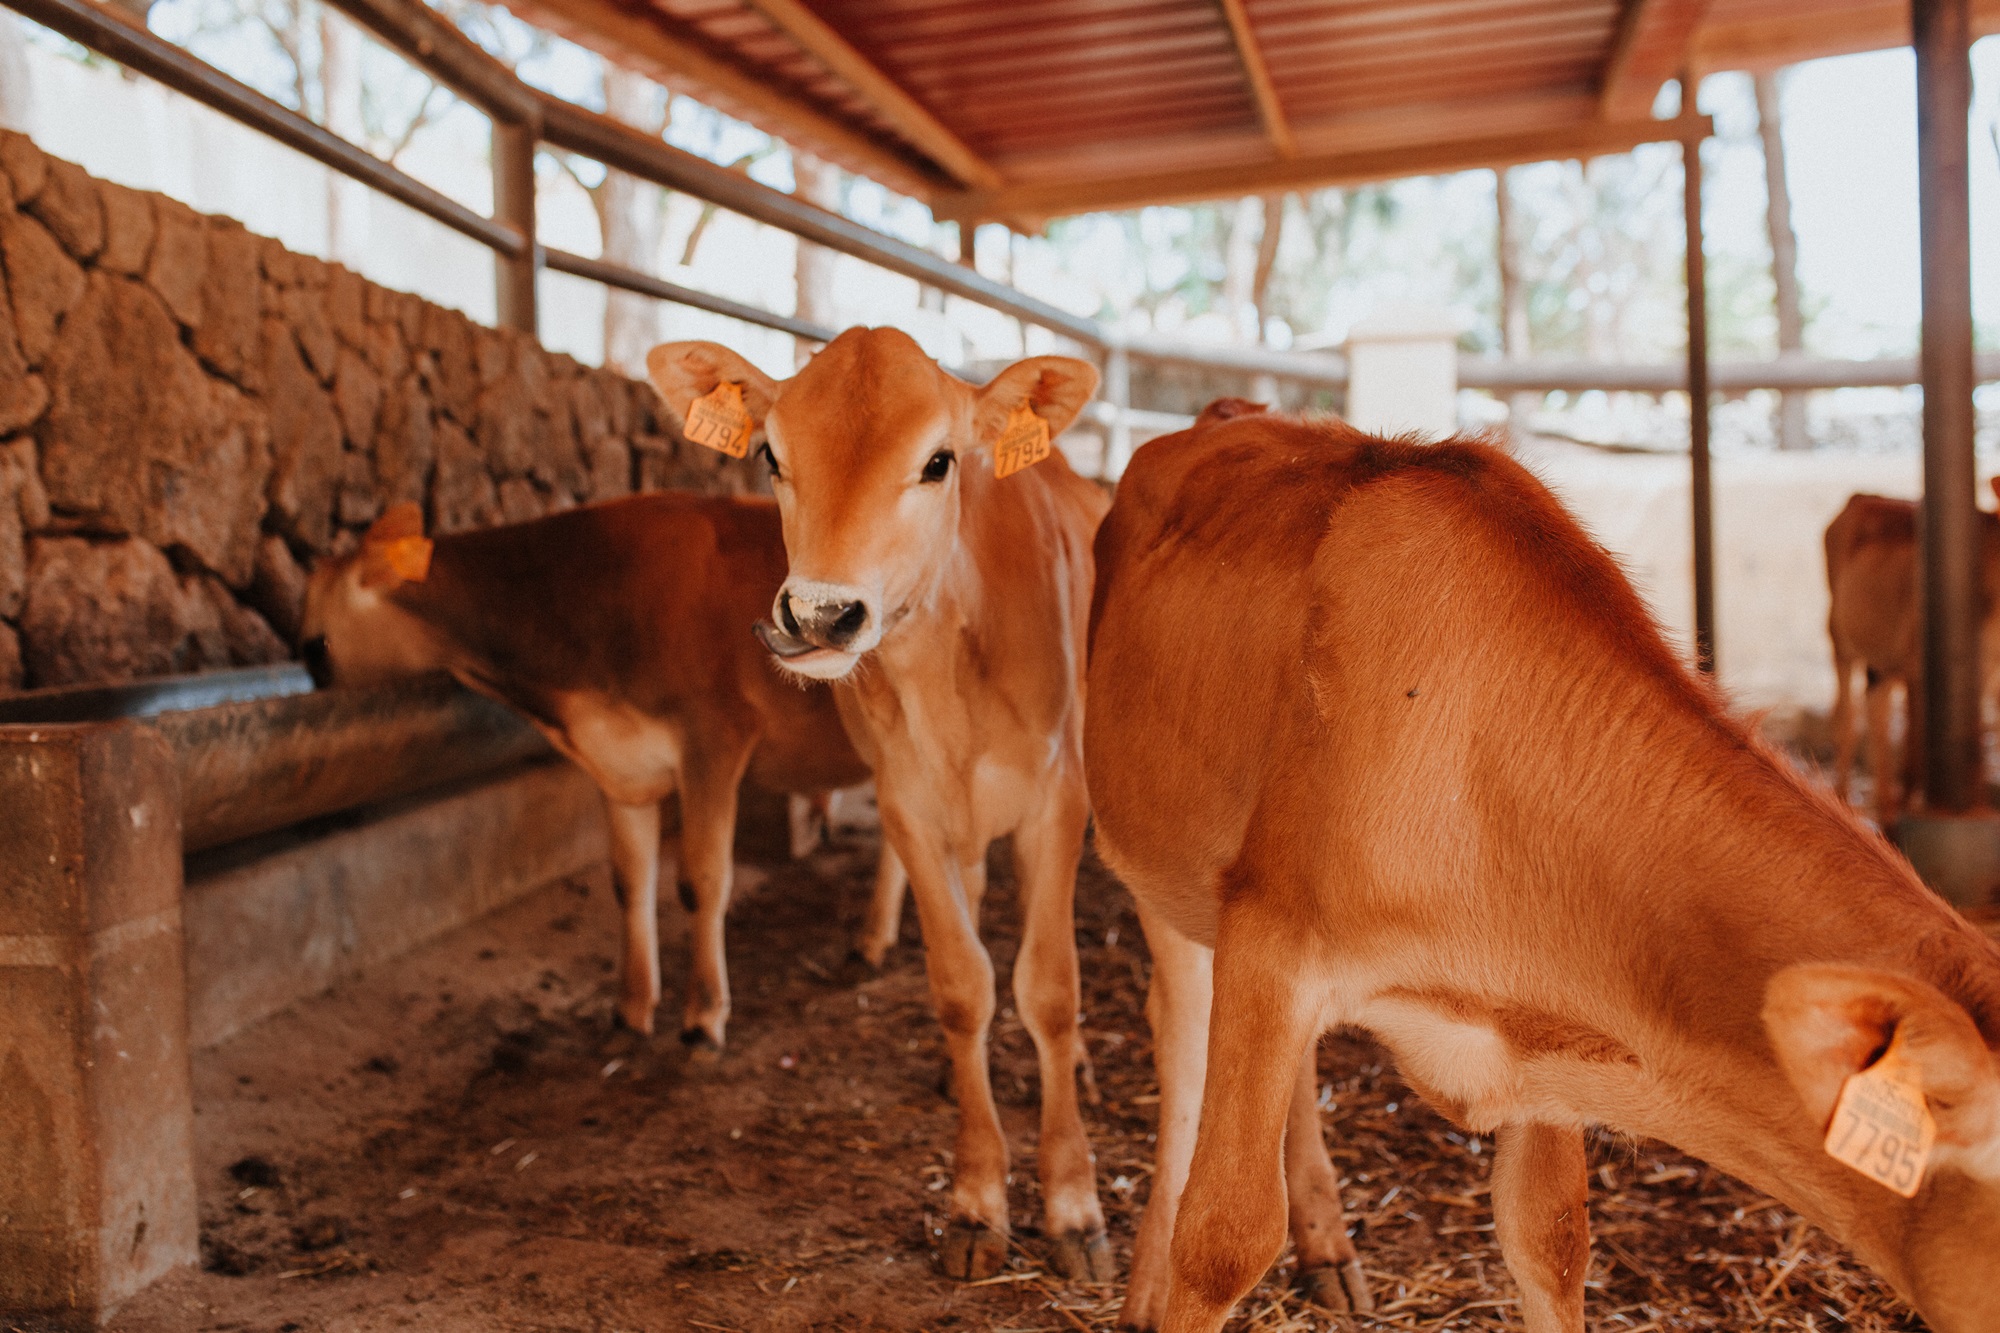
{"x":1001,"y":108}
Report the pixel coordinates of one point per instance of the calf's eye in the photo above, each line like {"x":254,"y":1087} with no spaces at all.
{"x":938,"y":466}
{"x":770,"y":459}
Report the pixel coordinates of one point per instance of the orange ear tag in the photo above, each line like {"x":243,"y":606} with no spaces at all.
{"x":1023,"y":442}
{"x":399,"y":560}
{"x":720,"y":421}
{"x":1881,"y":1126}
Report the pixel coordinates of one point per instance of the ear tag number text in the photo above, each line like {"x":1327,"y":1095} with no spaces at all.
{"x":1024,"y":442}
{"x":719,"y":420}
{"x":1881,"y":1126}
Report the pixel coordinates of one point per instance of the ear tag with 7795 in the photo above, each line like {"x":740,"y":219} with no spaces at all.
{"x":720,"y":421}
{"x":1023,"y":442}
{"x":1881,"y":1126}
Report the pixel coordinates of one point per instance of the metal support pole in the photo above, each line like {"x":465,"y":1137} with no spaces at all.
{"x":1947,"y":525}
{"x":1697,"y":381}
{"x":514,"y":207}
{"x":1117,"y":392}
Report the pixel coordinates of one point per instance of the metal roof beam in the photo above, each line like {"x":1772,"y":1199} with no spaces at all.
{"x":911,"y":118}
{"x":1650,"y":46}
{"x":1269,"y":109}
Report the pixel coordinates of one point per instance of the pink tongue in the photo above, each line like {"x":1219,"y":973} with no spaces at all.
{"x":780,"y":643}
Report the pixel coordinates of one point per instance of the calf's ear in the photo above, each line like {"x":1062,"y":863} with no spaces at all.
{"x":1055,"y":388}
{"x":395,"y":551}
{"x":1828,"y":1021}
{"x":685,"y":371}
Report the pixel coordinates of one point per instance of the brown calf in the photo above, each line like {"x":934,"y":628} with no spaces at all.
{"x":622,"y":631}
{"x":949,"y":606}
{"x":1871,"y":579}
{"x":1381,"y":724}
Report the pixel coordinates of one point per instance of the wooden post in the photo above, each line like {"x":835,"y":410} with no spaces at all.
{"x":1697,"y":378}
{"x":514,"y":276}
{"x":1947,"y":525}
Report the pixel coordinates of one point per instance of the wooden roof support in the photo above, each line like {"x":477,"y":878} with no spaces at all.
{"x":1768,"y":43}
{"x":1650,"y":47}
{"x":1269,"y":109}
{"x":911,"y":118}
{"x":633,"y":39}
{"x":1354,"y":167}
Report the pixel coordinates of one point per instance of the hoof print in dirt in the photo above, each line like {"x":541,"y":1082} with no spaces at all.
{"x":1336,"y":1288}
{"x":970,"y":1251}
{"x":1084,"y":1256}
{"x":219,"y":1256}
{"x":319,"y":1233}
{"x":255,"y":1172}
{"x":701,"y":1048}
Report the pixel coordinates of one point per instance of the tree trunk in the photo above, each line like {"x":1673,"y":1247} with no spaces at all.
{"x":630,"y":214}
{"x":16,"y":95}
{"x":1267,"y":260}
{"x":1239,"y":270}
{"x":819,"y":183}
{"x":340,"y":95}
{"x":1514,"y":339}
{"x":1791,"y":420}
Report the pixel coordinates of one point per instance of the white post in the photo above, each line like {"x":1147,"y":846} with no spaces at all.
{"x":1402,"y":373}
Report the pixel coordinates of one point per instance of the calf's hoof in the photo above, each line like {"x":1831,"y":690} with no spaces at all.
{"x":633,"y":1018}
{"x":701,"y":1046}
{"x":970,"y":1250}
{"x":1337,"y":1288}
{"x":1084,"y":1256}
{"x":856,"y":969}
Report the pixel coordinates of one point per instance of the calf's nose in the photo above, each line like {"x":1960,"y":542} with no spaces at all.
{"x":831,"y":623}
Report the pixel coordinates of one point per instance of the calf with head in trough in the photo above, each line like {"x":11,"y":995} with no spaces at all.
{"x":948,"y":603}
{"x":623,"y":632}
{"x":1382,"y":727}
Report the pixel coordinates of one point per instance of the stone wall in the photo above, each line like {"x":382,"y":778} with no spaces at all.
{"x":191,"y":414}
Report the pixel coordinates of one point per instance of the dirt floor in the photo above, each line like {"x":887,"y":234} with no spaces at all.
{"x":461,"y":1141}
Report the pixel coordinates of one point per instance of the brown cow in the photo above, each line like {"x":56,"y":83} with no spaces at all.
{"x":1382,"y":725}
{"x":622,"y":631}
{"x":1871,"y":578}
{"x":949,"y":606}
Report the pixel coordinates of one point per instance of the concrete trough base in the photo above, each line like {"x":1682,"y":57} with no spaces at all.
{"x":1957,"y":855}
{"x":274,"y":920}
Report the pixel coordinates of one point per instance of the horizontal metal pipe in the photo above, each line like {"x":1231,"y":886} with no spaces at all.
{"x":102,"y":31}
{"x":1478,"y":372}
{"x":631,"y":280}
{"x":625,"y":149}
{"x":1328,"y":368}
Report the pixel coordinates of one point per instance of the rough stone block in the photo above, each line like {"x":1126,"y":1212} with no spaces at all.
{"x":304,"y":308}
{"x":97,"y":1193}
{"x":404,"y":444}
{"x":305,"y":440}
{"x":520,"y":501}
{"x":278,"y":587}
{"x":357,"y":397}
{"x":128,"y":230}
{"x":141,"y":438}
{"x":12,"y":671}
{"x":43,"y":282}
{"x":114,"y":611}
{"x":231,"y":305}
{"x":68,"y":202}
{"x":344,"y":300}
{"x":178,"y":270}
{"x":462,"y":494}
{"x":23,"y":396}
{"x":13,"y":535}
{"x":26,"y":165}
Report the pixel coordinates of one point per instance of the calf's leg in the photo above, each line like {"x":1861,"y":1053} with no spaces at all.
{"x":885,"y":910}
{"x":1844,"y":730}
{"x":635,"y":881}
{"x":1329,"y":1266}
{"x":1882,"y":758}
{"x":1232,"y":1218}
{"x":1541,"y":1214}
{"x":973,"y":1244}
{"x":1048,"y":994}
{"x":708,"y":864}
{"x":1177,"y":1007}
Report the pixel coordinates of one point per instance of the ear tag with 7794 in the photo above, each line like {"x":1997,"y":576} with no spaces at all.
{"x":1023,"y":442}
{"x":720,"y":420}
{"x":1881,"y":1126}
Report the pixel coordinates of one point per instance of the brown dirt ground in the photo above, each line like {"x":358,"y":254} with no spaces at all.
{"x":460,"y":1141}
